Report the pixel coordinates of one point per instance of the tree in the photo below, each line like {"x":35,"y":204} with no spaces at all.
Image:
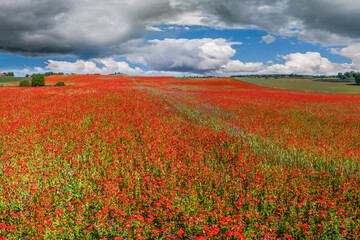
{"x":357,"y":78}
{"x":53,"y":73}
{"x":352,"y":74}
{"x":340,"y":75}
{"x":60,"y":84}
{"x":25,"y":83}
{"x":349,"y":75}
{"x":9,"y":74}
{"x":38,"y":80}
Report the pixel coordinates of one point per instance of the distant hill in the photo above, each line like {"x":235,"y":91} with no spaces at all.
{"x":325,"y":85}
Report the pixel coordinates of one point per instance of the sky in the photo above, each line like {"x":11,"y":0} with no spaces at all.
{"x":180,"y":37}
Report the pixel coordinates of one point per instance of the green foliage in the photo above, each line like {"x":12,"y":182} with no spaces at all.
{"x":9,"y":74}
{"x":12,"y":79}
{"x":357,"y":78}
{"x":347,"y":75}
{"x":292,"y":75}
{"x":350,"y":75}
{"x":60,"y":84}
{"x":25,"y":83}
{"x":53,"y":73}
{"x":38,"y":80}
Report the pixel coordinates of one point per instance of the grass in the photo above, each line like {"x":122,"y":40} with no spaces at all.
{"x":12,"y":79}
{"x":14,"y":82}
{"x":304,"y":84}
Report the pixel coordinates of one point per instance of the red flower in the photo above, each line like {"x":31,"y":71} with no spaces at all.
{"x":180,"y":232}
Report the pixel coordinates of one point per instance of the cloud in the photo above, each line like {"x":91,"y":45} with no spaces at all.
{"x":219,"y":63}
{"x":352,"y":51}
{"x":168,"y":57}
{"x":308,"y":63}
{"x":104,"y":66}
{"x":236,"y":66}
{"x":268,"y":39}
{"x":92,"y":28}
{"x":185,"y":55}
{"x":85,"y":28}
{"x":328,"y":22}
{"x":154,"y":29}
{"x":213,"y":57}
{"x":331,"y":22}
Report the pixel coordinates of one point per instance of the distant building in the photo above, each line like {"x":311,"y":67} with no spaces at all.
{"x":2,"y":75}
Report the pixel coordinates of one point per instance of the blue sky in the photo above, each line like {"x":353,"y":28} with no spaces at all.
{"x":180,"y":37}
{"x":254,"y":48}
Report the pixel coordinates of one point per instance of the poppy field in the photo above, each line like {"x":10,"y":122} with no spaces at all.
{"x":120,"y":157}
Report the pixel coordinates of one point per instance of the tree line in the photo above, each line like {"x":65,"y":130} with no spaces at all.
{"x":9,"y":74}
{"x":350,"y":75}
{"x":47,"y":74}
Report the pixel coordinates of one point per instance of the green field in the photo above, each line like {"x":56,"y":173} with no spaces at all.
{"x":304,"y":84}
{"x":12,"y":79}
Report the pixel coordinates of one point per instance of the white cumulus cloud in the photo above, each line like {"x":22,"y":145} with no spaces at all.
{"x":104,"y":66}
{"x":352,"y":51}
{"x":268,"y":39}
{"x":185,"y":55}
{"x":308,"y":63}
{"x":177,"y":61}
{"x":236,"y":66}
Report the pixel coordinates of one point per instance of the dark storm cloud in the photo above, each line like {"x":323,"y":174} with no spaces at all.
{"x":26,"y":27}
{"x":337,"y":16}
{"x":331,"y":22}
{"x":86,"y":28}
{"x":92,"y":28}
